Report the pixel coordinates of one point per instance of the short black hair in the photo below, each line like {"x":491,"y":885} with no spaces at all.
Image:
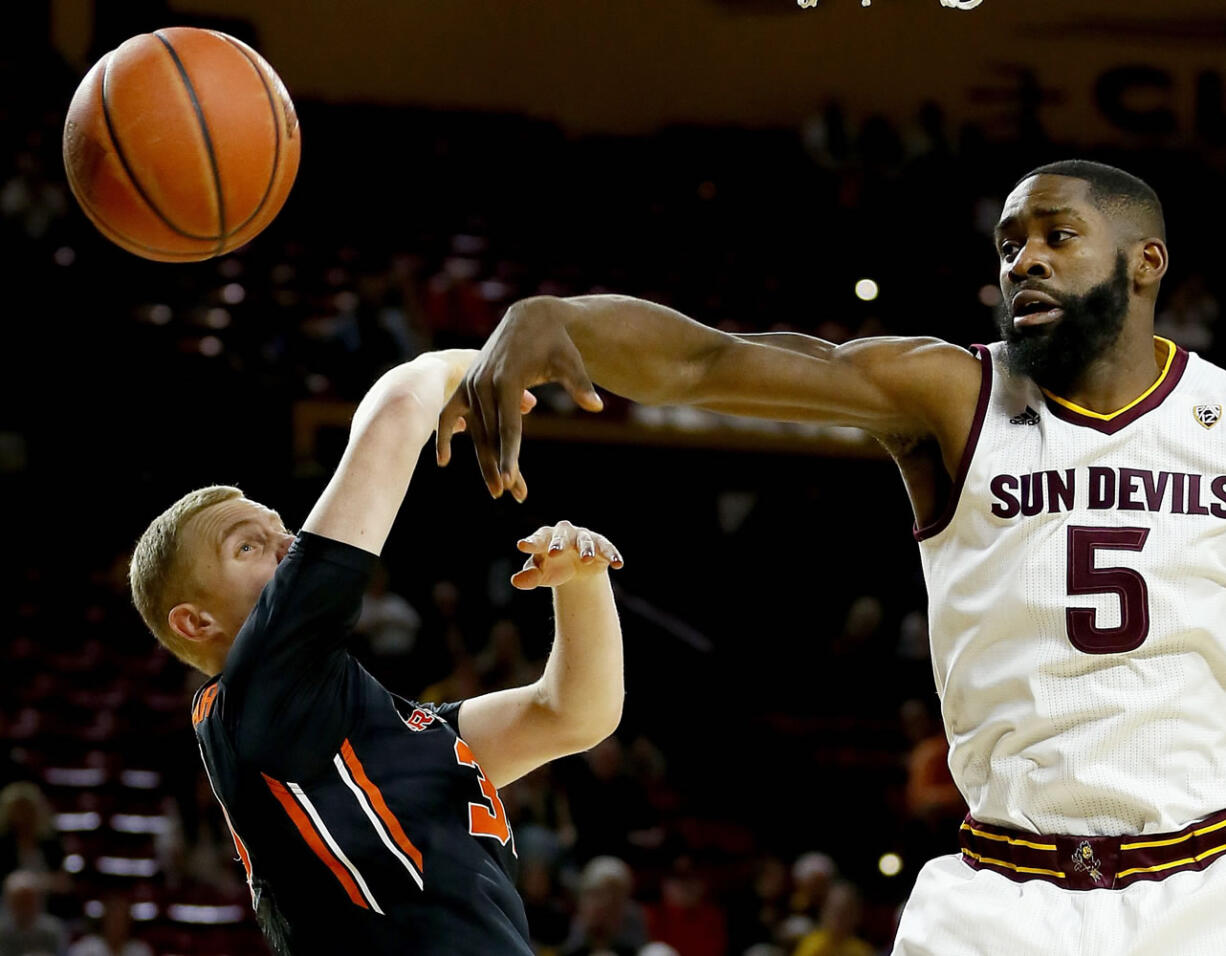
{"x":1120,"y":194}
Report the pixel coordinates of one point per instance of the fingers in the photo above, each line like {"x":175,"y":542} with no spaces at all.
{"x":510,"y":429}
{"x":607,"y":550}
{"x":537,"y":542}
{"x":552,"y":540}
{"x":530,"y":575}
{"x":519,"y":490}
{"x":573,"y":376}
{"x":586,"y":545}
{"x":487,"y":415}
{"x":452,"y":413}
{"x":527,"y":402}
{"x":563,"y":538}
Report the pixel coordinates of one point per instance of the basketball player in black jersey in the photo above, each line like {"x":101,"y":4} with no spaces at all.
{"x":367,"y":823}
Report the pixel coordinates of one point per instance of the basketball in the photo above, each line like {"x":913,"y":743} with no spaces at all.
{"x":181,"y":144}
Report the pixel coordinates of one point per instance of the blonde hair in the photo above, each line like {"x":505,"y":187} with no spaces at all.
{"x":156,"y":573}
{"x":25,"y":790}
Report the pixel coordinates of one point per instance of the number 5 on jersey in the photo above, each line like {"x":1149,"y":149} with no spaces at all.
{"x":486,"y":821}
{"x":1084,"y":578}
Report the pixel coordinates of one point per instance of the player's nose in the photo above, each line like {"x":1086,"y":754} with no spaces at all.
{"x":1029,"y":264}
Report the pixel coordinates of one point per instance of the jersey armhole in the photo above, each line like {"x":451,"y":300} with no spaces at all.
{"x":935,"y":527}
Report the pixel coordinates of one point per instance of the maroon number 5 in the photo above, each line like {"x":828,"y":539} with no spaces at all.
{"x":1085,"y":578}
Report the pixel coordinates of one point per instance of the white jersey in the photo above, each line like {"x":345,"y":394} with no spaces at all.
{"x":1077,"y":589}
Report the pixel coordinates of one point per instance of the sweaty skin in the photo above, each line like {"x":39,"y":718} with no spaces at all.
{"x":916,"y":395}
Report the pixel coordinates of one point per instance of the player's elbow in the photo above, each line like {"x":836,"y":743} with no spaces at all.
{"x":580,"y":724}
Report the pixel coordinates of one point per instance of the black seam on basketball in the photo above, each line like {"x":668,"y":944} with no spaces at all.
{"x":276,"y":132}
{"x":123,"y":161}
{"x":208,"y":141}
{"x":124,"y":240}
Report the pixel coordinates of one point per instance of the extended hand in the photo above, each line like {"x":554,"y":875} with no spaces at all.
{"x":458,"y":362}
{"x":561,"y":553}
{"x":529,"y":347}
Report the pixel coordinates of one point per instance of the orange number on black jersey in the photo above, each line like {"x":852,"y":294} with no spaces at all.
{"x":484,"y":821}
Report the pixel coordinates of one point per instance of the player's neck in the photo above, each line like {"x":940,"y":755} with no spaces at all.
{"x":1122,"y":374}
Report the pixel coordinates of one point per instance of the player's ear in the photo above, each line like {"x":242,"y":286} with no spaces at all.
{"x":1153,"y":263}
{"x":191,"y":622}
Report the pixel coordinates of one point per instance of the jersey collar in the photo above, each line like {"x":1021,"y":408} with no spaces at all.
{"x":1151,"y":398}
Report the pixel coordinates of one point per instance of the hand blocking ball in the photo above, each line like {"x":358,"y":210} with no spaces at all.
{"x":181,"y":144}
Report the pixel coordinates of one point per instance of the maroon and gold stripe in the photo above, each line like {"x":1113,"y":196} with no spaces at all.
{"x":1111,"y":862}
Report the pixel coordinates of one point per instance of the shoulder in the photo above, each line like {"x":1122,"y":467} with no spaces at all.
{"x":922,"y":367}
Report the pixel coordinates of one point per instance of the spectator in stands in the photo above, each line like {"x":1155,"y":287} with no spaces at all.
{"x":754,"y":917}
{"x":812,"y":874}
{"x":539,"y":810}
{"x":684,"y":918}
{"x":31,"y":199}
{"x":1191,"y":313}
{"x":610,"y":806}
{"x":548,"y":918}
{"x":26,"y":929}
{"x":835,"y":936}
{"x":934,"y":805}
{"x":114,"y":935}
{"x":388,"y":627}
{"x":28,"y":839}
{"x":502,"y":663}
{"x":608,"y":920}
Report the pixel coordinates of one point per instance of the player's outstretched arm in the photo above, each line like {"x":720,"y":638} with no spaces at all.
{"x":391,"y":425}
{"x":577,"y":702}
{"x":655,"y":355}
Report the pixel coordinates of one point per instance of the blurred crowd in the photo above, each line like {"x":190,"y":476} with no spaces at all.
{"x":111,"y":841}
{"x":780,"y":775}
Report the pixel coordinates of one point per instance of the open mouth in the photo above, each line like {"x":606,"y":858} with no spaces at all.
{"x":1031,"y":308}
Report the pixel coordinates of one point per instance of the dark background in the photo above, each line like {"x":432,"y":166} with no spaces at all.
{"x":772,"y":598}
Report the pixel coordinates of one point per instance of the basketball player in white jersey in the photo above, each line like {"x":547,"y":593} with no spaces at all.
{"x":1069,"y":489}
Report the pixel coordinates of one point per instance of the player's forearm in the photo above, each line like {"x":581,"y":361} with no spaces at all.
{"x":637,"y":349}
{"x":583,"y":683}
{"x":655,"y":355}
{"x":392,"y":423}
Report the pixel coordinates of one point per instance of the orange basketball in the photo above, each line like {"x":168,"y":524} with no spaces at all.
{"x":181,"y":144}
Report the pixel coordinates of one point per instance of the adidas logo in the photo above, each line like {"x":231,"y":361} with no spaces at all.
{"x":1028,"y":417}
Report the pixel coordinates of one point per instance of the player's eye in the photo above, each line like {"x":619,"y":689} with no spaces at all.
{"x":1008,"y":250}
{"x":245,"y":546}
{"x":1059,"y":235}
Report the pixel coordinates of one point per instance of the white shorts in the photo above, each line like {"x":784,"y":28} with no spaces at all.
{"x":958,"y":911}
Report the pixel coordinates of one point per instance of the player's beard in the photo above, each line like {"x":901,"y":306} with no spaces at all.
{"x":1055,"y":356}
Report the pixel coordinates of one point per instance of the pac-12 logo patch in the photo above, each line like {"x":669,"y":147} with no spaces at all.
{"x":419,"y":719}
{"x":1207,"y":415}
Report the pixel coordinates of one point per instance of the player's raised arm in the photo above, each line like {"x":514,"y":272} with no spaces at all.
{"x":392,"y":423}
{"x":577,"y":702}
{"x":655,"y":355}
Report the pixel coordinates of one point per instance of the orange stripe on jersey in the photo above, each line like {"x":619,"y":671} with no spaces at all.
{"x":380,"y":805}
{"x":303,"y":823}
{"x":241,"y":847}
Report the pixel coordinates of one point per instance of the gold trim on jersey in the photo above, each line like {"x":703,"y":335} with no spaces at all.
{"x":1012,"y":841}
{"x":1013,"y":866}
{"x":1187,"y":836}
{"x":1166,"y":866}
{"x":1074,"y":407}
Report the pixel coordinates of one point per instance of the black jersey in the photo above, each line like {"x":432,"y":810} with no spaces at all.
{"x":363,"y":821}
